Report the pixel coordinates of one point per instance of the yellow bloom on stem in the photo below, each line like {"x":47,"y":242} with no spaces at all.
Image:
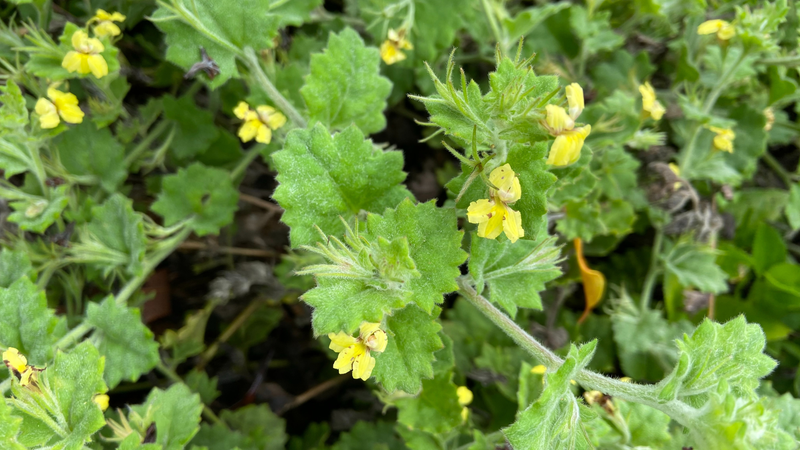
{"x":391,"y":48}
{"x":723,"y":29}
{"x":494,"y":216}
{"x":62,"y":104}
{"x":539,"y":370}
{"x":18,"y":364}
{"x":594,"y":282}
{"x":258,"y":123}
{"x":86,"y":57}
{"x":105,"y":23}
{"x":566,"y":149}
{"x":649,"y":101}
{"x":101,"y":400}
{"x":464,"y":395}
{"x":677,"y":171}
{"x":724,"y":139}
{"x":354,"y":353}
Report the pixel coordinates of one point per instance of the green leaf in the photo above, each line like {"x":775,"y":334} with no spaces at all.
{"x":594,"y":30}
{"x":694,"y":265}
{"x":768,"y":248}
{"x":345,"y":85}
{"x":193,"y":127}
{"x":14,"y":264}
{"x":114,"y":237}
{"x":320,"y":180}
{"x":123,"y":340}
{"x":413,"y":340}
{"x":36,"y":214}
{"x":515,"y":273}
{"x":435,"y":409}
{"x":528,"y":19}
{"x":9,"y":427}
{"x":189,"y":339}
{"x":13,"y":113}
{"x":86,"y":151}
{"x":554,"y":420}
{"x":28,"y":324}
{"x":792,"y":210}
{"x":369,"y":436}
{"x":199,"y":382}
{"x":203,"y":195}
{"x":254,"y":427}
{"x":176,"y":413}
{"x":313,"y":438}
{"x":586,"y":219}
{"x":418,"y":439}
{"x":528,"y":162}
{"x":731,"y":353}
{"x":15,"y":156}
{"x":227,"y":28}
{"x":616,"y":170}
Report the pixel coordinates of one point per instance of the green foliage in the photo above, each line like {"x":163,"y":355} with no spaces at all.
{"x":695,"y":266}
{"x":319,"y":182}
{"x":249,"y":428}
{"x":93,"y":153}
{"x":13,"y":113}
{"x":175,"y":413}
{"x":202,"y":195}
{"x":345,"y":86}
{"x":13,"y":266}
{"x":435,"y":409}
{"x":28,"y":324}
{"x":124,"y":341}
{"x":372,"y":436}
{"x":193,"y":128}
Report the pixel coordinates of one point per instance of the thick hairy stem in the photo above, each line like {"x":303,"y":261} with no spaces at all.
{"x":631,"y":392}
{"x":252,"y":62}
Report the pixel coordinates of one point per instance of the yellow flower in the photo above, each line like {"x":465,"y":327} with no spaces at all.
{"x":769,"y":114}
{"x":594,"y":282}
{"x":391,"y":48}
{"x":354,"y":353}
{"x":18,"y":364}
{"x":724,"y":139}
{"x":649,"y":101}
{"x":626,"y":379}
{"x":677,"y":171}
{"x":566,"y":149}
{"x":62,"y":104}
{"x":493,"y":216}
{"x":86,"y":57}
{"x":723,"y":29}
{"x":258,"y":124}
{"x":101,"y":400}
{"x":539,"y":370}
{"x":464,"y":395}
{"x":105,"y":23}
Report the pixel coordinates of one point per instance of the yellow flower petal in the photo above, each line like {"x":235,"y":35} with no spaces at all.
{"x":101,"y":400}
{"x":71,"y":113}
{"x":464,"y":395}
{"x":363,"y":365}
{"x":464,"y":413}
{"x":48,"y":113}
{"x":264,"y":135}
{"x":649,"y":102}
{"x":347,"y":357}
{"x":594,"y":282}
{"x":249,"y":130}
{"x":390,"y":54}
{"x":711,"y":26}
{"x":539,"y":370}
{"x":67,"y":105}
{"x":78,"y":39}
{"x":492,"y":228}
{"x":276,"y":121}
{"x":724,"y":139}
{"x":566,"y":149}
{"x":558,"y":120}
{"x":97,"y":65}
{"x":373,"y":337}
{"x":575,"y":100}
{"x":507,"y":182}
{"x":512,"y":225}
{"x":73,"y":62}
{"x":241,"y":110}
{"x":106,"y":28}
{"x":479,"y":211}
{"x":15,"y":360}
{"x":726,"y":32}
{"x":340,"y":341}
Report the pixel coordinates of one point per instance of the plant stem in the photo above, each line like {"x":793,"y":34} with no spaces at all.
{"x":175,"y":378}
{"x":73,"y":336}
{"x":490,"y":16}
{"x":246,"y":160}
{"x":646,"y":395}
{"x":781,"y":61}
{"x":778,"y":168}
{"x":145,"y":143}
{"x":652,"y":272}
{"x":235,"y":325}
{"x":252,"y":62}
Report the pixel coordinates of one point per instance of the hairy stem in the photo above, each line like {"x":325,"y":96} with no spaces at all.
{"x":652,"y":272}
{"x":252,"y":62}
{"x":778,"y":168}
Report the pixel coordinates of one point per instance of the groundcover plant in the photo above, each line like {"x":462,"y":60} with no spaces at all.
{"x":387,"y":224}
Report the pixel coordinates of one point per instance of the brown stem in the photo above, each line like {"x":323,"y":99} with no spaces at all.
{"x":194,"y":245}
{"x":313,"y":392}
{"x":211,"y":351}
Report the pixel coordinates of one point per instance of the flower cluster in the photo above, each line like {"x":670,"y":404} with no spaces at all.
{"x":464,"y":398}
{"x":63,"y":104}
{"x":86,"y":57}
{"x":105,"y":23}
{"x":28,"y":376}
{"x":354,"y":353}
{"x":494,"y":215}
{"x":724,"y":139}
{"x":724,"y":29}
{"x":566,"y":149}
{"x":391,"y":48}
{"x":650,"y":104}
{"x":258,"y":123}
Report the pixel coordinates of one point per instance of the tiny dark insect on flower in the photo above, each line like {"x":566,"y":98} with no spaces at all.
{"x":207,"y":65}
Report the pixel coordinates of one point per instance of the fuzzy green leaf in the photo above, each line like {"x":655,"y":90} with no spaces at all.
{"x":123,"y":340}
{"x":695,"y":266}
{"x":792,"y":210}
{"x":553,"y":421}
{"x":114,"y":237}
{"x":320,"y":180}
{"x":199,"y":381}
{"x":28,"y":324}
{"x":768,"y":248}
{"x":714,"y":353}
{"x":515,"y":273}
{"x":527,"y":161}
{"x":345,"y":85}
{"x":435,"y":409}
{"x":586,"y":219}
{"x":194,"y":127}
{"x":13,"y":113}
{"x":176,"y":413}
{"x":9,"y":427}
{"x":14,"y":264}
{"x":249,"y":428}
{"x":36,"y":214}
{"x":227,"y":28}
{"x":370,"y":436}
{"x":202,"y":194}
{"x":87,"y":151}
{"x":413,"y":340}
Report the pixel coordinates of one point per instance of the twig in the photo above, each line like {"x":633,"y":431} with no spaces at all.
{"x":313,"y":392}
{"x":211,"y":351}
{"x":269,"y":206}
{"x":194,"y":245}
